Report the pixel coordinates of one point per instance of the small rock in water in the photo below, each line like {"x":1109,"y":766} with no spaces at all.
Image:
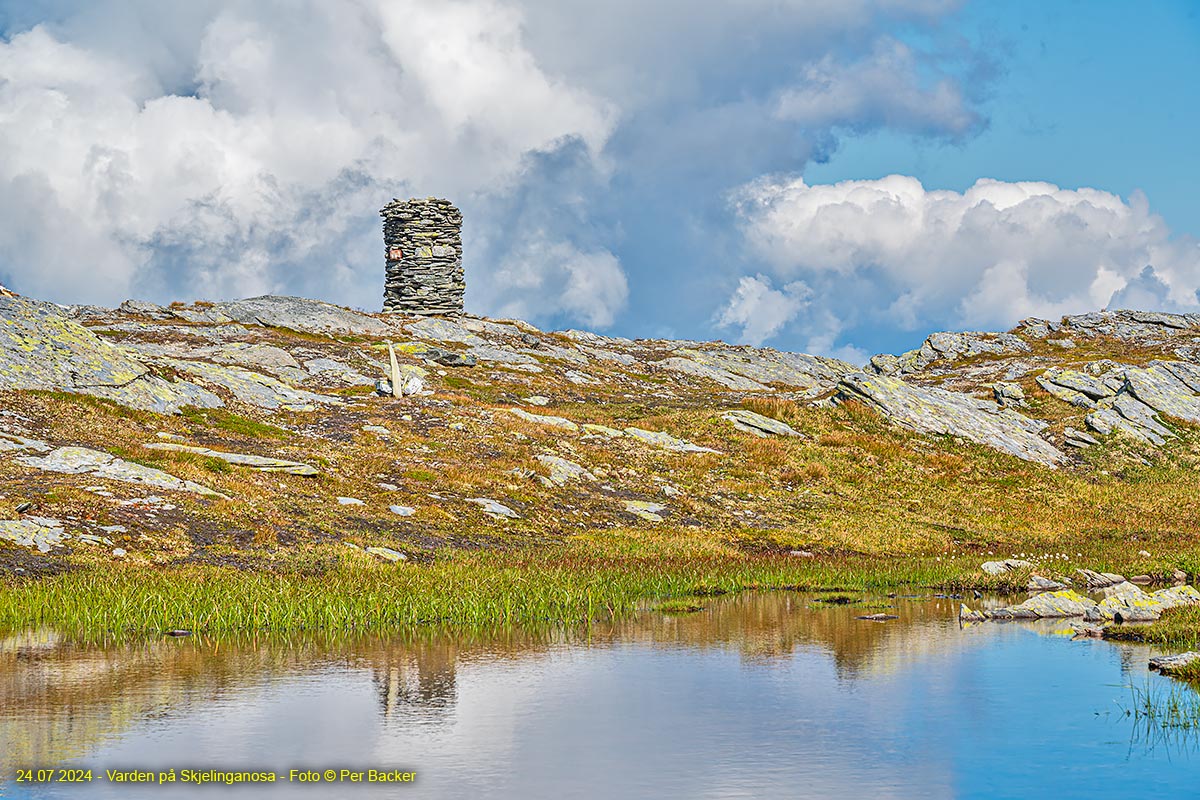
{"x":1039,"y":584}
{"x":1141,"y":580}
{"x":1170,"y":665}
{"x":878,"y":617}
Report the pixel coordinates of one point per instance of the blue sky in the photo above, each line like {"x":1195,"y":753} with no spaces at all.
{"x":804,"y":174}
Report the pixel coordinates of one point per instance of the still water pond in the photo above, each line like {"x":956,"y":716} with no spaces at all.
{"x":758,"y":696}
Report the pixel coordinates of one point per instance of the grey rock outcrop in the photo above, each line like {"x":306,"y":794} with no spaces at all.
{"x":41,"y":348}
{"x":949,"y":346}
{"x":301,"y":314}
{"x":423,"y":244}
{"x":937,"y":411}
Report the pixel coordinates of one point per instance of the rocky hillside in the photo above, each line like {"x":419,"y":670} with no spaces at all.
{"x":234,"y":432}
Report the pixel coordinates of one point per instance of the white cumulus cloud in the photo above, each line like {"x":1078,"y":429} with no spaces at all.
{"x":890,"y":251}
{"x":261,"y":168}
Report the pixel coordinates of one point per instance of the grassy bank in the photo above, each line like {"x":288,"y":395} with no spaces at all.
{"x":1177,"y":628}
{"x":555,"y":584}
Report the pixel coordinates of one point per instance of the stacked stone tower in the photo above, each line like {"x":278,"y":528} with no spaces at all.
{"x":423,"y":241}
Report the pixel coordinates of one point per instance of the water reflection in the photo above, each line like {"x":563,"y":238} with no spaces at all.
{"x":763,"y":695}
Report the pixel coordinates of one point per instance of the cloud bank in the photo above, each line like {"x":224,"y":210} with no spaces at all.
{"x":218,"y":149}
{"x":891,"y":252}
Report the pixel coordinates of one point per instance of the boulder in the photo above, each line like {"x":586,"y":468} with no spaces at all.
{"x":1099,"y":580}
{"x":1039,"y":584}
{"x":645,"y":509}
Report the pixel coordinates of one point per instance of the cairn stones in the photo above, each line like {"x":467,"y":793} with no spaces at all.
{"x":423,"y":248}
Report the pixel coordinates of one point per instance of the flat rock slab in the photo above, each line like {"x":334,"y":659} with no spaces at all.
{"x":1093,"y":579}
{"x":651,"y":512}
{"x":757,"y":424}
{"x":544,"y":419}
{"x":937,"y":411}
{"x":260,"y":463}
{"x":667,"y":442}
{"x":300,"y":314}
{"x":251,"y":387}
{"x":494,"y":508}
{"x":41,"y":533}
{"x":81,"y":460}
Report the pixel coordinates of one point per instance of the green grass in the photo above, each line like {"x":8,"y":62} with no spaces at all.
{"x":233,"y":423}
{"x":553,"y":584}
{"x":1174,"y":707}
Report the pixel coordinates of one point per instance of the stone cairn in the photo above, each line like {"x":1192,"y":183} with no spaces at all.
{"x":423,"y":244}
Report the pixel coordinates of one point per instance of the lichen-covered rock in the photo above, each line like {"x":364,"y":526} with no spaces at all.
{"x":948,"y":347}
{"x":966,"y":614}
{"x":1158,"y":387}
{"x":40,"y":348}
{"x":260,"y":463}
{"x":1009,"y":394}
{"x":1065,"y":603}
{"x":765,"y":366}
{"x":757,"y":424}
{"x":387,"y":553}
{"x":1126,"y":602}
{"x":81,"y":460}
{"x":937,"y":411}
